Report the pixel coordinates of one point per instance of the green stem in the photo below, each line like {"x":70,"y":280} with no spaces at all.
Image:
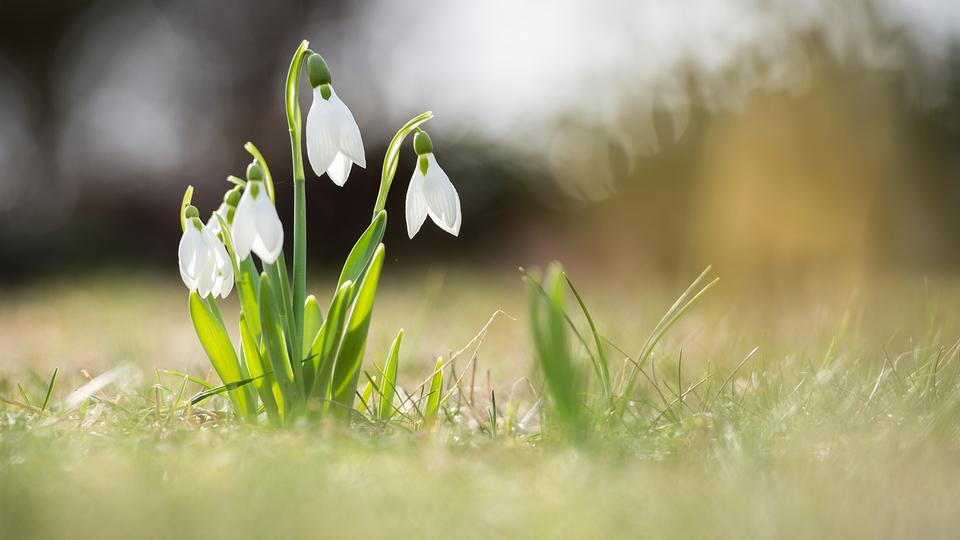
{"x":294,"y":123}
{"x":393,"y":157}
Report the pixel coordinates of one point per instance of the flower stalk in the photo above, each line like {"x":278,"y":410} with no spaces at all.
{"x":295,"y":125}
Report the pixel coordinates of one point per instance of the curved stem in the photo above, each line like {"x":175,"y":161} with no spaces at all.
{"x":294,"y":122}
{"x":392,"y":157}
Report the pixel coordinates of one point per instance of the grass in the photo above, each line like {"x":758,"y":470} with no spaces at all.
{"x":806,"y":412}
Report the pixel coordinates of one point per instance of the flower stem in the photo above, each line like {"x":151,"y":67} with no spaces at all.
{"x":294,"y":122}
{"x":393,"y":157}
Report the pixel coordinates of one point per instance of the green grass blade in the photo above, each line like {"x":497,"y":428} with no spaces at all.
{"x":436,"y":393}
{"x":347,"y":368}
{"x":363,"y":407}
{"x":216,"y":343}
{"x":600,"y":362}
{"x":190,"y":378}
{"x":389,"y":387}
{"x":53,"y":381}
{"x":676,"y":311}
{"x":229,"y":387}
{"x":551,"y":343}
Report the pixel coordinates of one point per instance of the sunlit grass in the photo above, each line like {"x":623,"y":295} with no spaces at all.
{"x":811,"y":413}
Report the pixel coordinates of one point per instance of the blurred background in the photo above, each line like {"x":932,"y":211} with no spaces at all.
{"x":809,"y":150}
{"x":771,"y":139}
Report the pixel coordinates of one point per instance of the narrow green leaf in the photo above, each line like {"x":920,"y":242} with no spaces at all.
{"x":436,"y":393}
{"x":23,"y":394}
{"x":190,"y":378}
{"x":360,"y":256}
{"x":551,"y":342}
{"x":325,"y":346}
{"x":275,"y":349}
{"x":53,"y":381}
{"x":600,"y":362}
{"x":229,"y":387}
{"x":388,"y":389}
{"x":266,"y":384}
{"x":312,"y":321}
{"x":363,"y":407}
{"x":347,"y":368}
{"x":216,"y":343}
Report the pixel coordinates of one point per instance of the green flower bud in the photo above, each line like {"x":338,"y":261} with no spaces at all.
{"x":318,"y":71}
{"x":232,"y":197}
{"x":254,"y":172}
{"x":422,"y":143}
{"x":191,"y":212}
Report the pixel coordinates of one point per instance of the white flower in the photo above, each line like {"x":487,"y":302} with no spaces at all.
{"x":256,"y":225}
{"x":432,"y":194}
{"x":204,"y":264}
{"x":333,"y":138}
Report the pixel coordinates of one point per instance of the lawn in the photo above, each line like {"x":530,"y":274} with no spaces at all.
{"x":823,"y":409}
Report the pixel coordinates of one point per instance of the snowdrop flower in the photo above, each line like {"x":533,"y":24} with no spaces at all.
{"x":430,"y":192}
{"x":333,"y":138}
{"x":204,"y":264}
{"x":256,"y":226}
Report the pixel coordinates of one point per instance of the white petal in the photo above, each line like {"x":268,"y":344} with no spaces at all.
{"x":348,"y":133}
{"x":207,"y":275}
{"x":243,"y":228}
{"x":340,"y":169}
{"x":443,"y":203}
{"x":416,"y":204}
{"x":223,"y":267}
{"x":188,"y":254}
{"x":322,"y":135}
{"x":268,"y":239}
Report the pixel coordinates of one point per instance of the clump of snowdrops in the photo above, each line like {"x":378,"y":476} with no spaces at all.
{"x":296,"y":360}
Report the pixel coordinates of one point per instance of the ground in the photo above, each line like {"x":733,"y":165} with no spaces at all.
{"x":843,"y":423}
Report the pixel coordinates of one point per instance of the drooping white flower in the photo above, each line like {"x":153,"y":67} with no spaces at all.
{"x":204,"y":264}
{"x":431,"y":193}
{"x":333,"y":138}
{"x":256,"y":225}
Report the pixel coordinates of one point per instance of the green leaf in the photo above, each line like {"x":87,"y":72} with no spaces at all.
{"x":266,"y":384}
{"x":190,"y":378}
{"x":275,"y":349}
{"x":229,"y":387}
{"x":600,"y":362}
{"x":216,"y":343}
{"x":312,"y":321}
{"x":364,"y":406}
{"x":347,"y":368}
{"x":388,"y":389}
{"x":359,"y":258}
{"x":436,"y":394}
{"x":552,"y":345}
{"x":325,"y":346}
{"x":53,"y":381}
